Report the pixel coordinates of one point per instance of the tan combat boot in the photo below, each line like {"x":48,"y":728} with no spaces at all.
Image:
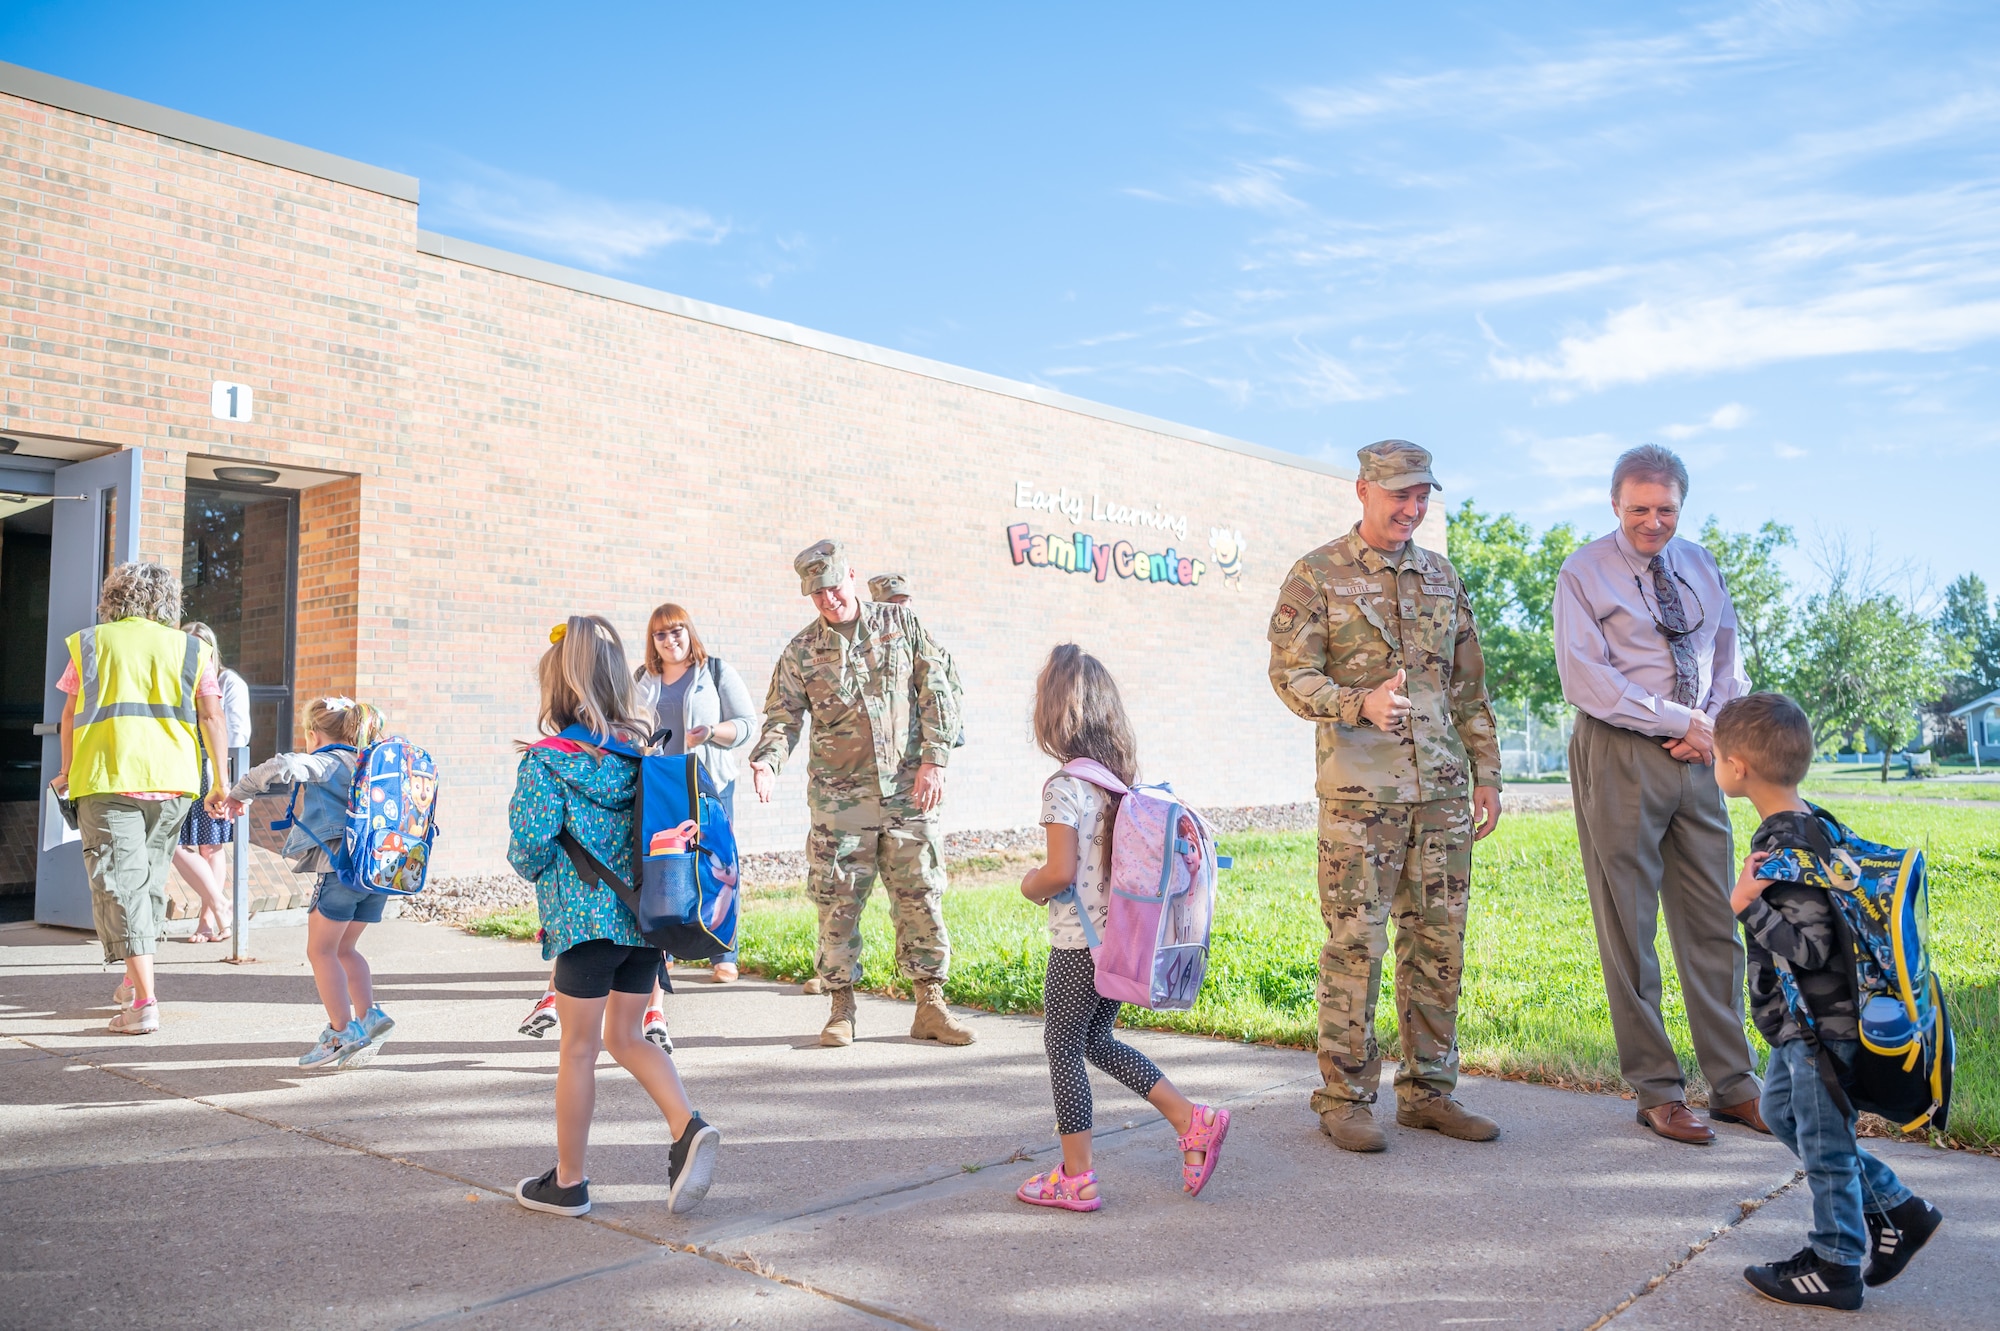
{"x":1353,"y":1128}
{"x":815,"y":985}
{"x":1441,"y":1113}
{"x":934,"y":1020}
{"x":839,"y":1029}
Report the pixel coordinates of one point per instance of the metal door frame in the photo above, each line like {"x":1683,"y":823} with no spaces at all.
{"x":96,"y":519}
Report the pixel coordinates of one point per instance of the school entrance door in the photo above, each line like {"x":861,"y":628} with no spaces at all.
{"x":92,"y":523}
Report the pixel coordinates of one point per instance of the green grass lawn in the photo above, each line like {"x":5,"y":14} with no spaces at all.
{"x":1533,"y":1005}
{"x":1831,"y":780}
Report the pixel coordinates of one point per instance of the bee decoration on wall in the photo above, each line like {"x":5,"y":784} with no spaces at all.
{"x":1228,"y":548}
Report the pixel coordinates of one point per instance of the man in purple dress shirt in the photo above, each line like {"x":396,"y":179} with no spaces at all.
{"x":1646,"y":647}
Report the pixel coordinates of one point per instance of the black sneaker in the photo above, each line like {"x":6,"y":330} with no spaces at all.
{"x":1803,"y":1278}
{"x":545,"y":1194}
{"x":1894,"y":1237}
{"x":691,"y":1165}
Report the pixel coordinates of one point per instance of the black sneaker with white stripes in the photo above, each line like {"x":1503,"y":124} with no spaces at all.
{"x":1803,"y":1278}
{"x":1895,"y":1236}
{"x":545,"y":1194}
{"x":691,"y":1165}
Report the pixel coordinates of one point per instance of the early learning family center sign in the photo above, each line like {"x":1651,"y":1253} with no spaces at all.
{"x":1081,"y":552}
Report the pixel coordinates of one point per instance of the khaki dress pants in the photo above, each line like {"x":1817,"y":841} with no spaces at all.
{"x":1655,"y":834}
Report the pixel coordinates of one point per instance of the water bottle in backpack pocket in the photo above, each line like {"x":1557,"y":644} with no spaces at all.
{"x":1881,"y":911}
{"x":1159,"y":896}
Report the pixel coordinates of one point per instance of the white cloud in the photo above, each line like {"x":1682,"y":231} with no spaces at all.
{"x":1788,"y":452}
{"x":1646,"y":341}
{"x":598,"y":232}
{"x":1259,"y":187}
{"x":1600,"y":71}
{"x":1729,"y":416}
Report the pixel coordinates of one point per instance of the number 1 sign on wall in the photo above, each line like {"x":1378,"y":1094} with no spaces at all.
{"x":229,"y":402}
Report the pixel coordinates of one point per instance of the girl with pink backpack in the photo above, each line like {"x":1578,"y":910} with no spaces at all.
{"x":1080,"y":721}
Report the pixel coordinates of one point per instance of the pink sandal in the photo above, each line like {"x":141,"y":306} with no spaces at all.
{"x":1205,"y":1135}
{"x":1058,"y":1189}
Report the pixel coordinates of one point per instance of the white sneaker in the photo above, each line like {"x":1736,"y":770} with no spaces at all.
{"x":542,"y":1018}
{"x":136,"y":1020}
{"x":656,"y":1029}
{"x":123,"y":995}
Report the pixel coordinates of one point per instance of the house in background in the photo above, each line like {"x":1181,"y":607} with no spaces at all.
{"x":1982,"y":726}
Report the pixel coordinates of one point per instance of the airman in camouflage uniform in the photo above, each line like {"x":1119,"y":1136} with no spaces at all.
{"x":1373,"y":639}
{"x":873,"y":682}
{"x":894,"y":589}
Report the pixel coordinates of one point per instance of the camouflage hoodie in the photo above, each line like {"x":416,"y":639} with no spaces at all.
{"x":1794,"y":920}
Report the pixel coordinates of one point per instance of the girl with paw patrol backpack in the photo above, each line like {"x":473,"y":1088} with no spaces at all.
{"x":338,"y":729}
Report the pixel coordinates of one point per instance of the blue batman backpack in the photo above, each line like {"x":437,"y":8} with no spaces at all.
{"x":682,"y":889}
{"x":391,"y":819}
{"x":1881,"y":900}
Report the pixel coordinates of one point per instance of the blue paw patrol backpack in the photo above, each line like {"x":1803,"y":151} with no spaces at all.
{"x":391,"y":819}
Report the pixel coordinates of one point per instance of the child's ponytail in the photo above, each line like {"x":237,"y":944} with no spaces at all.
{"x":344,"y":721}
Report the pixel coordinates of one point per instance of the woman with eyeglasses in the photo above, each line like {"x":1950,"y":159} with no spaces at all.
{"x":707,"y":710}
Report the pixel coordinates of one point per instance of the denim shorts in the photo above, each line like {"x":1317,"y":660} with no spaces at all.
{"x":338,"y":902}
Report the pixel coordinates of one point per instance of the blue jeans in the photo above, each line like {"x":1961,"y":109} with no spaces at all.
{"x":1845,"y":1180}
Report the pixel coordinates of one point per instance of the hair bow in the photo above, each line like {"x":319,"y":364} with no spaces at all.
{"x":558,"y":633}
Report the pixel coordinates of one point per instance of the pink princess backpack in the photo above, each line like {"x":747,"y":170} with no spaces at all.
{"x":1160,"y":896}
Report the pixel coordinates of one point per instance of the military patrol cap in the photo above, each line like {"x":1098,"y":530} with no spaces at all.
{"x":821,"y":565}
{"x":1396,"y":464}
{"x":885,"y":585}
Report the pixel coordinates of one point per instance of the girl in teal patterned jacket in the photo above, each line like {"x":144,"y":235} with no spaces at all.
{"x":583,"y":778}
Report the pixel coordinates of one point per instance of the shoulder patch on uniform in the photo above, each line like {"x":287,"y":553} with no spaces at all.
{"x":1286,"y":614}
{"x":1297,"y":589}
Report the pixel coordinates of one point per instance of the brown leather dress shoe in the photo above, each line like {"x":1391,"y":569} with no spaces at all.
{"x":1745,"y":1115}
{"x":1677,"y":1123}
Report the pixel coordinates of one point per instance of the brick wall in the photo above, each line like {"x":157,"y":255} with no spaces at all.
{"x":516,"y":451}
{"x":326,"y":657}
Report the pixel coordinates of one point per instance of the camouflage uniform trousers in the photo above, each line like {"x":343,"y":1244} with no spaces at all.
{"x":1412,"y":863}
{"x":845,"y":850}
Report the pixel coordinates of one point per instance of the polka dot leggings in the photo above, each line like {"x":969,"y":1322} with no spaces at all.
{"x":1078,"y":1026}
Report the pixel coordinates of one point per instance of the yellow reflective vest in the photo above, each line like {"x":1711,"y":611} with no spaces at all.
{"x":135,"y":711}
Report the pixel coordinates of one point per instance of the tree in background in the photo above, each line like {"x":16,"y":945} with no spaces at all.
{"x":1761,"y":593}
{"x":1863,"y":660}
{"x":1510,"y":577}
{"x":1969,"y":630}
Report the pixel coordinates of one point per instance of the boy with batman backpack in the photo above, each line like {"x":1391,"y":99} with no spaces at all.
{"x":1842,"y":989}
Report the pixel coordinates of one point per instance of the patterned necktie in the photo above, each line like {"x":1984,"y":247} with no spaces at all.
{"x":1687,"y":669}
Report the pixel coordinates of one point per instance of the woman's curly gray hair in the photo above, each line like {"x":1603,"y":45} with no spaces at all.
{"x":146,"y":590}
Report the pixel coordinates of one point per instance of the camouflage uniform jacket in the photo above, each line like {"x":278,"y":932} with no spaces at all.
{"x":1348,"y":617}
{"x":879,"y":705}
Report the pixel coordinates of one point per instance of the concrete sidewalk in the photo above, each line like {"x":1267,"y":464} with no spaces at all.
{"x":199,"y":1178}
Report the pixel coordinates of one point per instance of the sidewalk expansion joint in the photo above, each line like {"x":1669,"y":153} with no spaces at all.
{"x":742,"y":1261}
{"x":1746,"y":1208}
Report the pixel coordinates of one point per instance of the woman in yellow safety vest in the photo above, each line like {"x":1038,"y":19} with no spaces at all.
{"x":136,"y":689}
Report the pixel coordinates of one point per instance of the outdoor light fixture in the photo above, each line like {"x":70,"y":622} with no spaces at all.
{"x":247,"y":475}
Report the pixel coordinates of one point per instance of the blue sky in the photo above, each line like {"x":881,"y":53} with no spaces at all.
{"x":1766,"y":234}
